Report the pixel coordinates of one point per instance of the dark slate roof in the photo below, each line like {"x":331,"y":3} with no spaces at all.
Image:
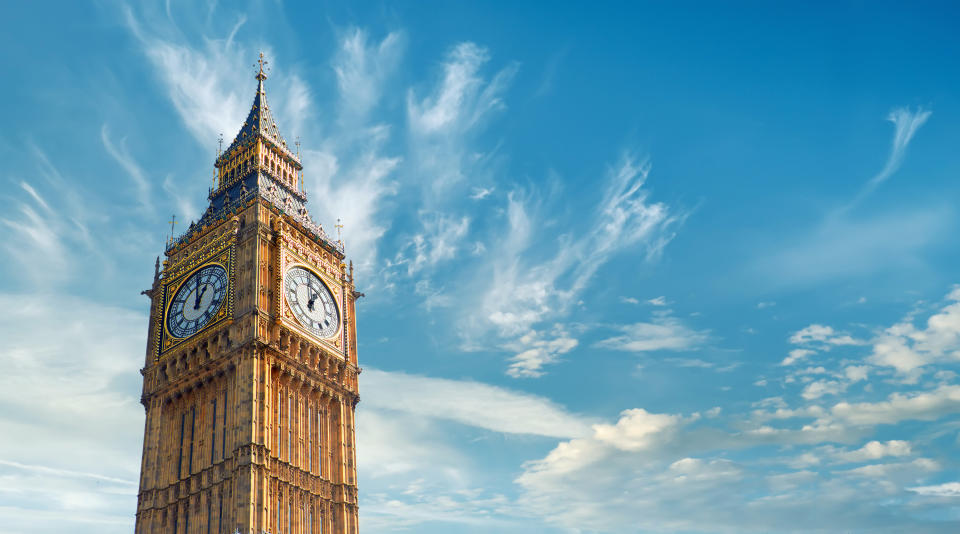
{"x":260,"y":123}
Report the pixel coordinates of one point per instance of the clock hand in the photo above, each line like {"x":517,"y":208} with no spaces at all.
{"x":196,"y":303}
{"x":313,"y":298}
{"x":196,"y":292}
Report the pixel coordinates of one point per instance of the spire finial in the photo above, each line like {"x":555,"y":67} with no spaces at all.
{"x":173,"y":223}
{"x":339,"y":227}
{"x":263,"y":63}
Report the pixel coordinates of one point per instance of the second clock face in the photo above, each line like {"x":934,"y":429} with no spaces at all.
{"x":311,"y":302}
{"x":197,"y":300}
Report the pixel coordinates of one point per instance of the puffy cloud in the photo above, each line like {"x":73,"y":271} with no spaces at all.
{"x":815,"y":390}
{"x":905,"y":347}
{"x":797,"y":355}
{"x":665,"y":473}
{"x":820,"y":334}
{"x":923,"y":405}
{"x":875,"y":450}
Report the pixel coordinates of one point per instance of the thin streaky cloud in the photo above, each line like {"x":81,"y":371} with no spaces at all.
{"x":906,"y":123}
{"x":122,"y":156}
{"x":65,"y":472}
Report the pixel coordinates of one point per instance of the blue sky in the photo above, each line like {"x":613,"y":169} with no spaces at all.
{"x":640,"y":267}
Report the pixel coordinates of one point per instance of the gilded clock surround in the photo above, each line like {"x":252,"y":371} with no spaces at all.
{"x":250,"y":421}
{"x":336,"y":291}
{"x":220,"y":250}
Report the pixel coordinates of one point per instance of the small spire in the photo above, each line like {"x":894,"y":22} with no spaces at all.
{"x":339,"y":227}
{"x":173,"y":223}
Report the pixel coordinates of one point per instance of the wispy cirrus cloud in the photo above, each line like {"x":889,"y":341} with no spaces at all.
{"x":661,"y":333}
{"x":363,"y":69}
{"x":204,"y":83}
{"x":528,"y":293}
{"x":471,"y":403}
{"x":906,"y":123}
{"x":137,"y":175}
{"x":57,"y":385}
{"x":844,"y":245}
{"x":49,"y":224}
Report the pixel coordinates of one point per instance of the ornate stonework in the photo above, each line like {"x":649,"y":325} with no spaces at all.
{"x":250,"y":421}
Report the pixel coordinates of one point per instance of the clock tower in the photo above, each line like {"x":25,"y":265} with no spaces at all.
{"x":250,"y":379}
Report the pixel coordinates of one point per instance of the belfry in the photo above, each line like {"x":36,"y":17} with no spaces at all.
{"x":250,"y":379}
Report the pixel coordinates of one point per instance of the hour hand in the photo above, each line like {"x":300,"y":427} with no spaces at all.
{"x":196,"y":302}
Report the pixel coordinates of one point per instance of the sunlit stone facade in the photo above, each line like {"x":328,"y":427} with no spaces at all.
{"x":250,"y":379}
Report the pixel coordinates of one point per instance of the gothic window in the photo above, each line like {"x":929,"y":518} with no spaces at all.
{"x":290,"y":430}
{"x":320,"y":442}
{"x":213,"y":431}
{"x":223,"y":439}
{"x":183,"y":426}
{"x":193,"y":423}
{"x":309,"y":442}
{"x":279,"y":422}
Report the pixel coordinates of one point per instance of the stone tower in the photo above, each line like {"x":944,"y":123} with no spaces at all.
{"x":250,"y":380}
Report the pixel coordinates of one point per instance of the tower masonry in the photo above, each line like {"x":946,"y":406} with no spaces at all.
{"x":250,"y":377}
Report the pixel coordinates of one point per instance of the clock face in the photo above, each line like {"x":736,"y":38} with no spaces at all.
{"x":311,"y":302}
{"x":197,"y":300}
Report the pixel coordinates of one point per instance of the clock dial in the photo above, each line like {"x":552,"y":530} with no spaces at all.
{"x":197,"y":300}
{"x":311,"y":302}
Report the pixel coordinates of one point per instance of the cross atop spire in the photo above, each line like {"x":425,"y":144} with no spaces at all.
{"x":262,"y":62}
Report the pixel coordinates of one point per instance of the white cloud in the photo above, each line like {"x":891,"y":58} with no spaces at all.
{"x":362,"y":70}
{"x":470,"y":403}
{"x":443,"y":122}
{"x":906,"y":124}
{"x":537,"y":349}
{"x":947,"y":489}
{"x":122,"y":156}
{"x":819,"y":388}
{"x":796,"y":355}
{"x":668,"y":473}
{"x":56,"y":387}
{"x":439,"y":241}
{"x":923,"y":405}
{"x":203,"y":84}
{"x":348,"y":177}
{"x":636,"y":430}
{"x":50,"y":227}
{"x":527,"y":290}
{"x":480,"y":193}
{"x":875,"y":450}
{"x":662,"y":333}
{"x":905,"y":347}
{"x":658,"y":301}
{"x":821,"y":335}
{"x":842,"y":246}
